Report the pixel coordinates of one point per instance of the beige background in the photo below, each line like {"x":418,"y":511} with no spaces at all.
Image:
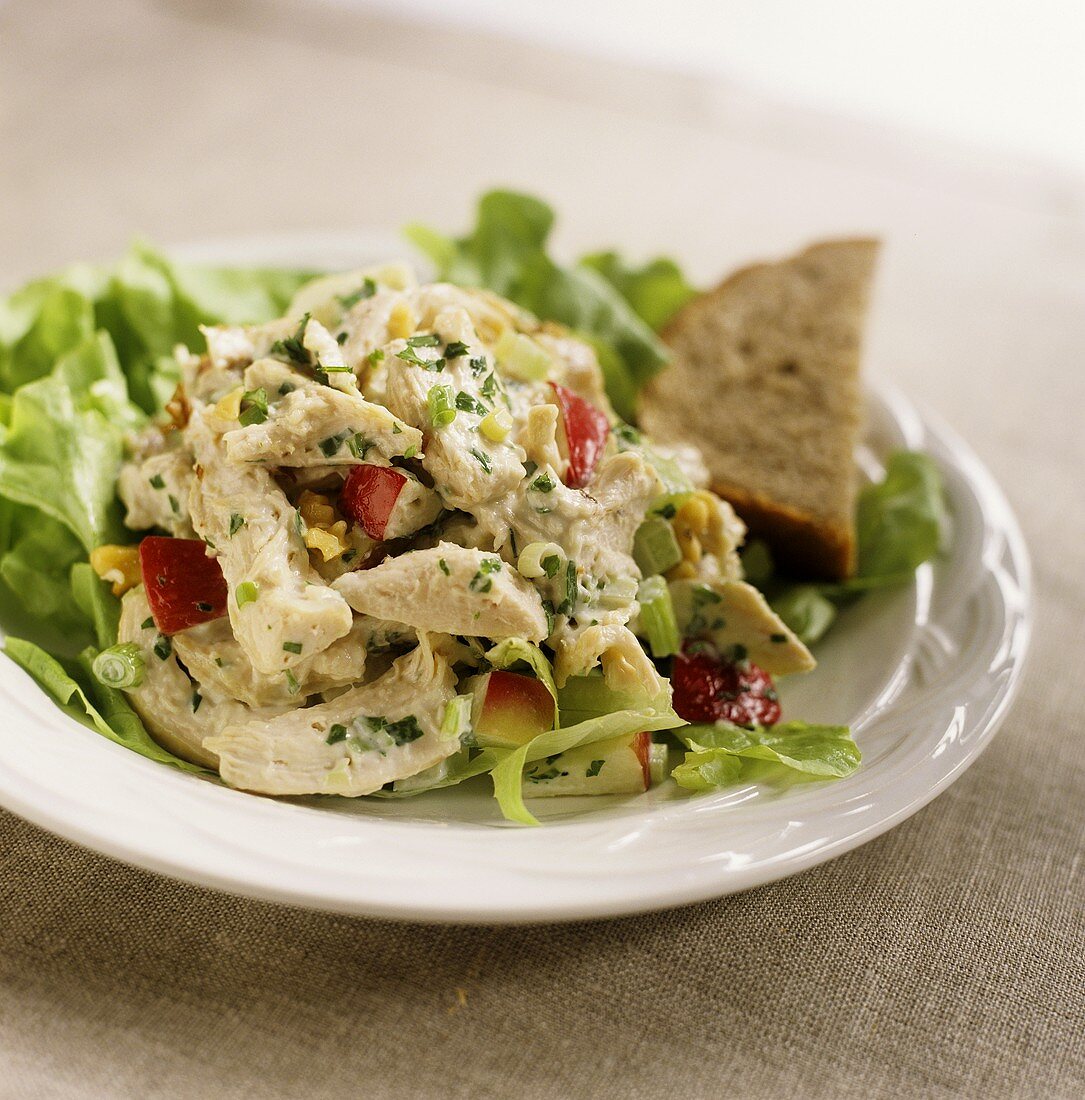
{"x":946,"y":958}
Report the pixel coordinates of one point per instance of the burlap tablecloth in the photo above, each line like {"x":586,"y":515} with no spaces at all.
{"x":944,"y":959}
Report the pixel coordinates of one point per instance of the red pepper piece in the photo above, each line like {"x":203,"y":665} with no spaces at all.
{"x":586,"y":431}
{"x":184,"y":586}
{"x":709,"y":688}
{"x":369,"y":495}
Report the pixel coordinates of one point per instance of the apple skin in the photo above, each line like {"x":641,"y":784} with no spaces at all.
{"x":369,"y":495}
{"x":513,"y":709}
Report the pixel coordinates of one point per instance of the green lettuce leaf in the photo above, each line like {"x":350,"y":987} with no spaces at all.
{"x":63,"y":448}
{"x":38,"y":324}
{"x":656,"y":291}
{"x":104,"y":709}
{"x":901,"y":520}
{"x":36,"y":570}
{"x":806,"y":610}
{"x":96,"y":603}
{"x":507,"y":771}
{"x":506,"y":252}
{"x":718,"y":752}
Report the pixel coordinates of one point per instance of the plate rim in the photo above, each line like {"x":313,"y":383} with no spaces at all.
{"x":103,"y":836}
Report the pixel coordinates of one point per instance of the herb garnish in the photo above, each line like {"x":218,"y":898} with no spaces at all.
{"x":366,"y":290}
{"x":482,"y":459}
{"x":482,"y":581}
{"x":466,"y":403}
{"x":293,"y":347}
{"x":253,"y":407}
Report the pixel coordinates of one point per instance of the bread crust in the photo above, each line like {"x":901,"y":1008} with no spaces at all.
{"x":765,"y":379}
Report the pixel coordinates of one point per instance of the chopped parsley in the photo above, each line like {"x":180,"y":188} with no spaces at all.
{"x":147,"y":623}
{"x":253,"y":407}
{"x":454,"y":349}
{"x":489,"y":385}
{"x":483,"y":460}
{"x":374,"y":357}
{"x":409,"y":355}
{"x":163,"y":647}
{"x":482,"y":581}
{"x":543,"y":484}
{"x":197,"y":699}
{"x":331,"y":445}
{"x":478,"y":365}
{"x":778,"y":639}
{"x":157,"y":482}
{"x":627,"y":434}
{"x":466,"y":403}
{"x":337,"y":733}
{"x":292,"y":684}
{"x":175,"y":504}
{"x":358,"y":445}
{"x":551,"y":564}
{"x":404,"y":730}
{"x":444,"y":567}
{"x":426,"y":340}
{"x":236,"y":523}
{"x":292,"y":647}
{"x":293,"y":347}
{"x":366,"y":290}
{"x":286,"y":387}
{"x":594,"y":768}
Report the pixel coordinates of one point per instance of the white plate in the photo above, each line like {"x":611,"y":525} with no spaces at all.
{"x":923,"y":675}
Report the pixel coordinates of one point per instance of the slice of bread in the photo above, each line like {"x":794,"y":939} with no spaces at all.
{"x":765,"y":380}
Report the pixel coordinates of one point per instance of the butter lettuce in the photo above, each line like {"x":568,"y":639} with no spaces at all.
{"x":718,"y":753}
{"x":901,"y":522}
{"x":656,"y":291}
{"x":102,"y":708}
{"x":63,"y":448}
{"x":85,"y":356}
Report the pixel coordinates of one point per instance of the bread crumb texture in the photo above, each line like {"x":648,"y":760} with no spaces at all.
{"x":765,"y":379}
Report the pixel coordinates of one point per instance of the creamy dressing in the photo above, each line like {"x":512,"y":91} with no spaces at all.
{"x":368,"y":369}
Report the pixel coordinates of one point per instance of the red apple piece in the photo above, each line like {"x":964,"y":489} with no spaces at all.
{"x":586,"y":431}
{"x":184,"y":586}
{"x":510,"y":708}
